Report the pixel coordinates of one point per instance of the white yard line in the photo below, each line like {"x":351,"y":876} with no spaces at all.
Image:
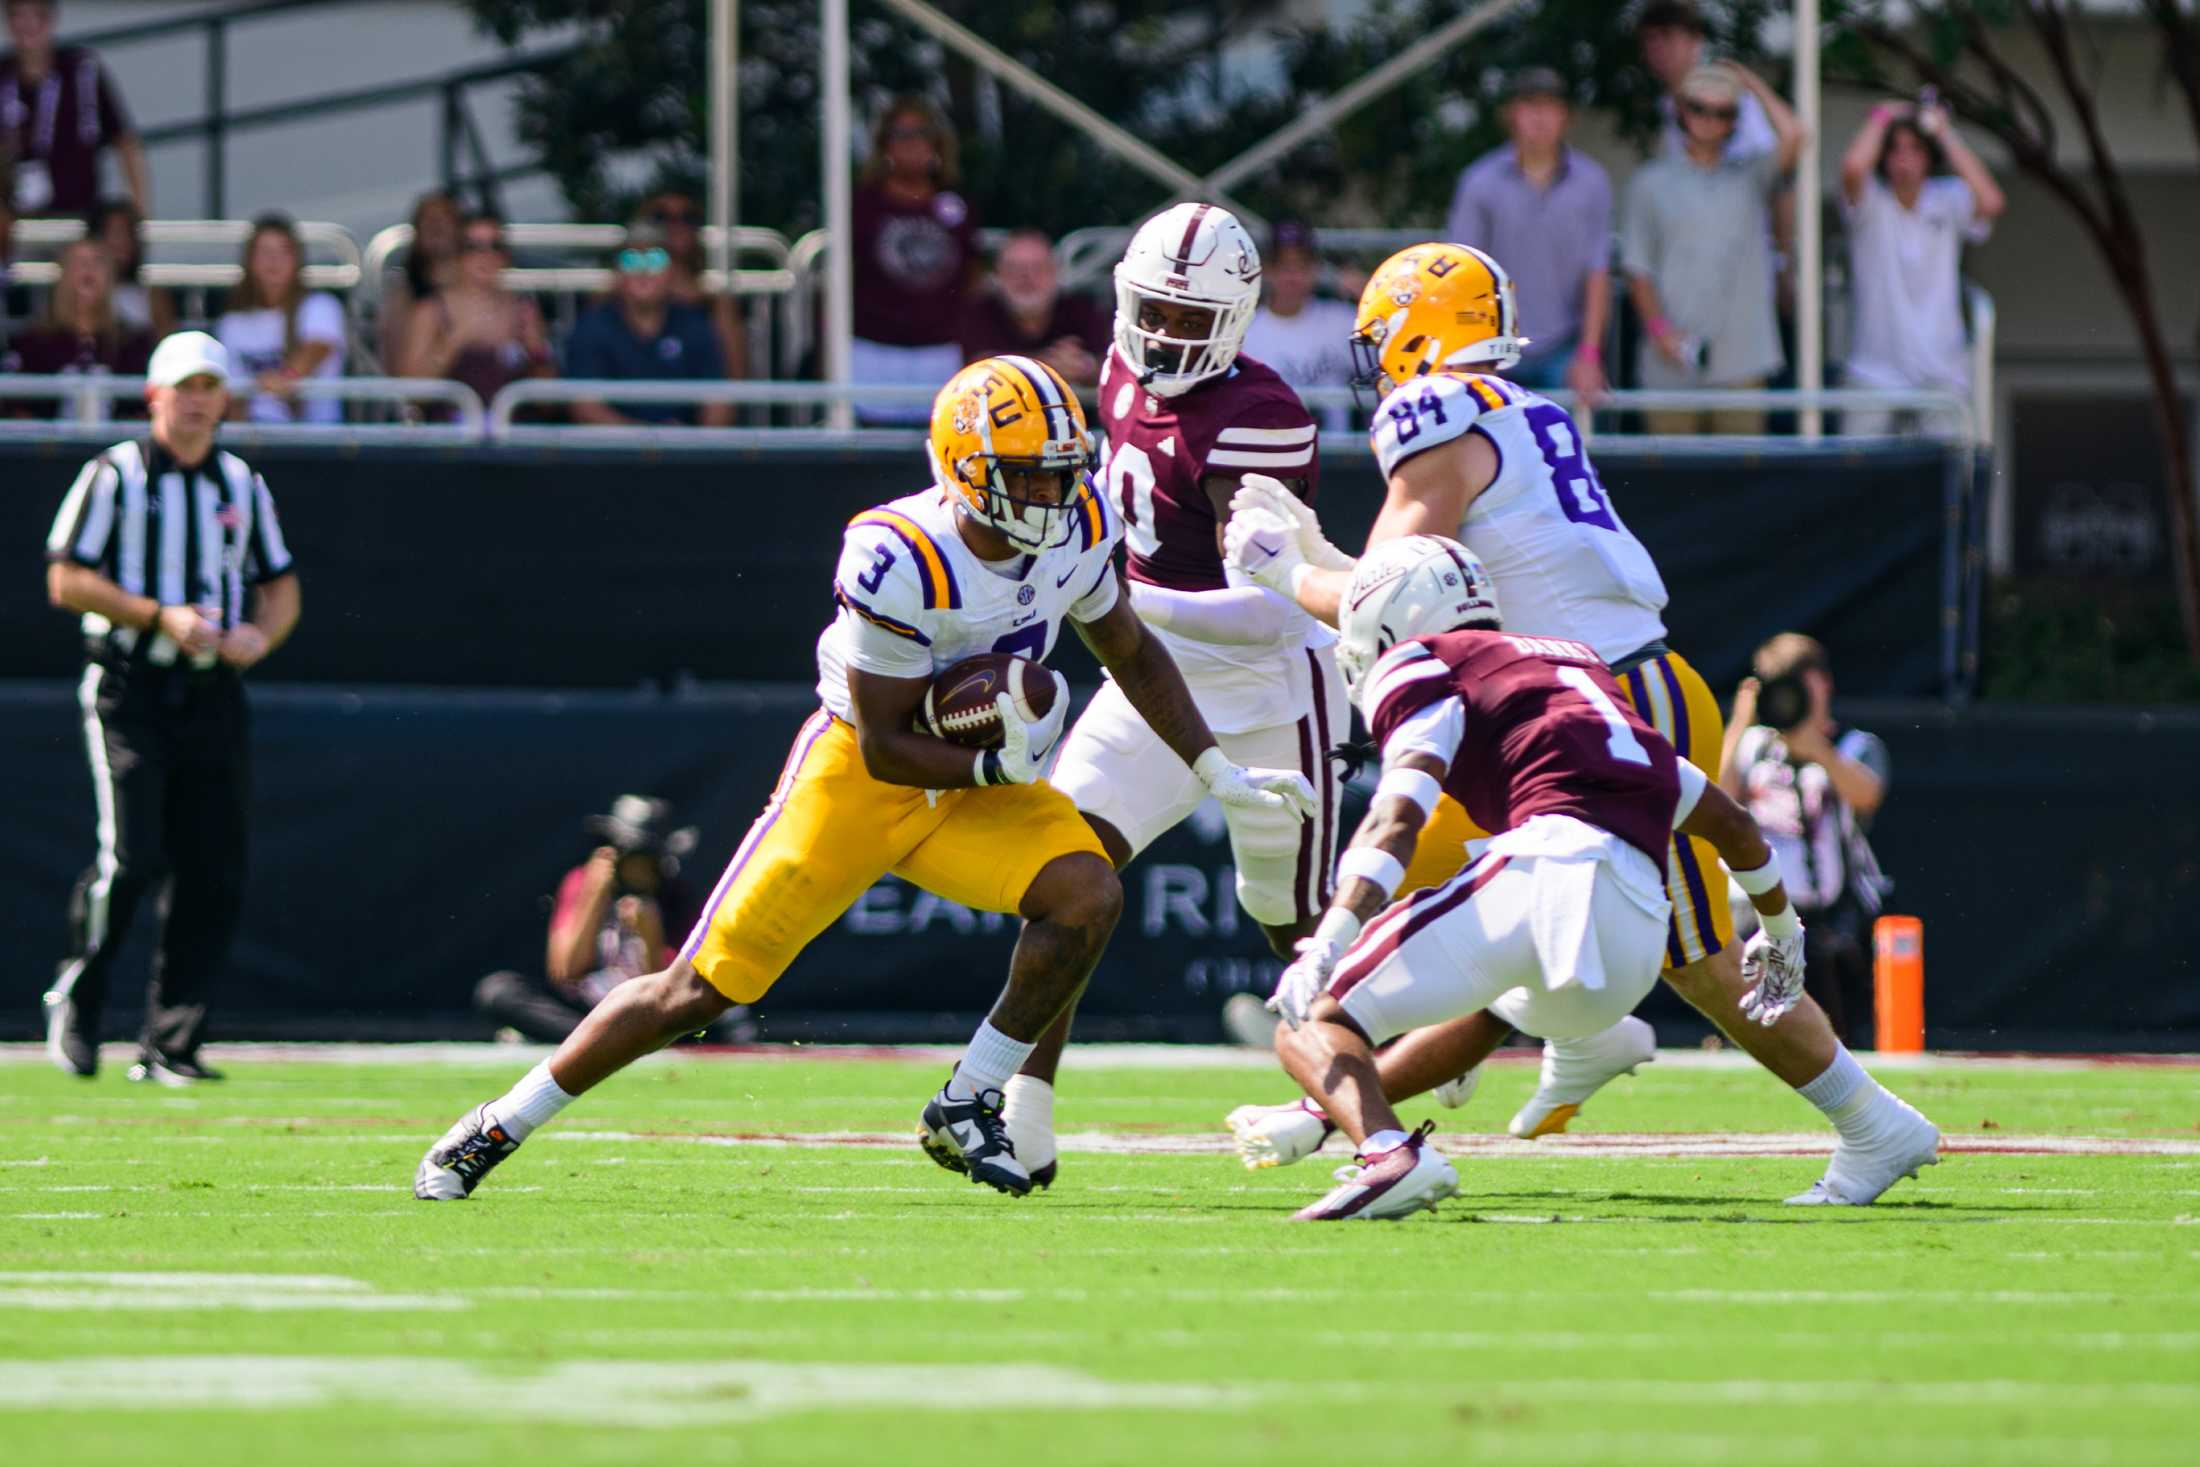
{"x":1481,"y":1147}
{"x":1084,"y":1056}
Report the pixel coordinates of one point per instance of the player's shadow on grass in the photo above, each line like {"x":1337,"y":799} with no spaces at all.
{"x":1586,"y":1206}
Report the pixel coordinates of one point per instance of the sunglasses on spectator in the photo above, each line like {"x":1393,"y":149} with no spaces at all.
{"x":644,"y":262}
{"x":909,"y":134}
{"x":1706,"y":109}
{"x":481,"y":244}
{"x":674,"y":215}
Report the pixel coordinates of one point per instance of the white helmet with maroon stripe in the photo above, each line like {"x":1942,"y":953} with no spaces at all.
{"x":1413,"y":587}
{"x":1195,"y":255}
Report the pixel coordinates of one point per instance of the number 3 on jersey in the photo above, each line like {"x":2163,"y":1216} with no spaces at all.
{"x":1580,"y":496}
{"x":1132,"y":472}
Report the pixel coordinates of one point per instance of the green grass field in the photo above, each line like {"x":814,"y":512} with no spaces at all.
{"x":238,"y":1273}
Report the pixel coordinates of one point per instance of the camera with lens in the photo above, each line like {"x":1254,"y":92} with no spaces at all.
{"x":1783,"y":702}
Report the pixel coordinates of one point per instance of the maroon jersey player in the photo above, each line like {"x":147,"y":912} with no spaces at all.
{"x":1558,"y":925}
{"x":1187,"y":418}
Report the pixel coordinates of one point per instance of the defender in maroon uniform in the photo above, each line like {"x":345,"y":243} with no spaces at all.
{"x":1558,"y":925}
{"x":1187,"y":420}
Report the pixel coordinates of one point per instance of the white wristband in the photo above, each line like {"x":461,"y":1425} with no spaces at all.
{"x":1339,"y":928}
{"x":1372,"y":865}
{"x":1417,"y":785}
{"x":1299,"y":573}
{"x":1783,"y":923}
{"x":1759,"y":879}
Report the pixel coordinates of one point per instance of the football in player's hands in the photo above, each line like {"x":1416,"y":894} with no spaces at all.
{"x":959,"y":706}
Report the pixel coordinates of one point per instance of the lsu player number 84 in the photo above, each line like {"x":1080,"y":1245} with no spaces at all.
{"x":1468,"y":455}
{"x":1006,"y":547}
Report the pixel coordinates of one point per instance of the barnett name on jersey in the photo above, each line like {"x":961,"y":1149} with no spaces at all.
{"x":1564,"y":562}
{"x":1529,"y":726}
{"x":1161,"y":452}
{"x":914,"y":599}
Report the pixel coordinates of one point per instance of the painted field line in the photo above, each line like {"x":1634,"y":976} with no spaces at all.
{"x":631,"y":1393}
{"x":1554,"y":1148}
{"x":62,"y":1291}
{"x":1083,"y":1056}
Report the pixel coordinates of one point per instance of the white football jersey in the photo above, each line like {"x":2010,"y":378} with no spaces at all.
{"x":914,"y":599}
{"x":1564,"y":562}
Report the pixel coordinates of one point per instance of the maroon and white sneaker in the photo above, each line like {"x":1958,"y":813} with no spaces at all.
{"x":1278,"y":1135}
{"x":1394,"y":1183}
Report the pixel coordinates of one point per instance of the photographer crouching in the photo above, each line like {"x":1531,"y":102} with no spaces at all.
{"x":612,"y":919}
{"x":1814,"y":786}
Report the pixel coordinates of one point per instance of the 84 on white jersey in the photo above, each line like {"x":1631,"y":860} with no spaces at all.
{"x":1564,"y":562}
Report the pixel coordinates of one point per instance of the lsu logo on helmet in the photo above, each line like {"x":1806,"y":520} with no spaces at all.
{"x":1012,"y":414}
{"x":1433,"y":306}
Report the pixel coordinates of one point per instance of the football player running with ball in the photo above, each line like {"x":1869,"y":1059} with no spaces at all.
{"x":1471,"y":455}
{"x":1007,"y":546}
{"x":1558,"y":927}
{"x":1187,"y":417}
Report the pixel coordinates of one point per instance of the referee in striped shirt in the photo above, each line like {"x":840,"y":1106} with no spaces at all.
{"x":171,"y":551}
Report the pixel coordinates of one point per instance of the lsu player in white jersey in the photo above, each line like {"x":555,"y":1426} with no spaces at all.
{"x":1468,"y":454}
{"x":1007,"y":547}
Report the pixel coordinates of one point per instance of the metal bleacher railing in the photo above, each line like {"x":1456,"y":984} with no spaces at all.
{"x":561,"y":265}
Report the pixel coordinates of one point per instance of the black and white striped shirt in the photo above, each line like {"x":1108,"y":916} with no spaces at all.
{"x":185,"y":537}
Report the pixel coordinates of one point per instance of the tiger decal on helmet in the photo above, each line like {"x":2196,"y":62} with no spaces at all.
{"x":1004,"y":415}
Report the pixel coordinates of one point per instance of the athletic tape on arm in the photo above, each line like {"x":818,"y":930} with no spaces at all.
{"x":1379,"y":868}
{"x":1416,"y":785}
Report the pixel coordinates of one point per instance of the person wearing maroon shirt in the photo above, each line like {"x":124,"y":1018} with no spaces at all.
{"x":80,"y":332}
{"x":915,"y":257}
{"x":58,"y":109}
{"x":1024,"y":313}
{"x":1558,"y":926}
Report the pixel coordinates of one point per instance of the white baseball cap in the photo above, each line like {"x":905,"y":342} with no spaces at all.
{"x":185,"y":355}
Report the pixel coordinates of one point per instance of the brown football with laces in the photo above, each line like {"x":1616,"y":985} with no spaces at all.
{"x":958,"y":707}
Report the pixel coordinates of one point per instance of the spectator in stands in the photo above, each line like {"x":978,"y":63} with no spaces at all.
{"x":1302,"y":335}
{"x":915,"y":257}
{"x":80,"y":331}
{"x":1024,"y":310}
{"x":1697,"y":252}
{"x":431,"y":264}
{"x":474,"y":330}
{"x":642,"y":335}
{"x":1814,"y":787}
{"x":1544,"y":210}
{"x":681,"y":218}
{"x":277,"y":333}
{"x":615,"y":917}
{"x":115,"y":223}
{"x":1672,"y":35}
{"x":58,"y":110}
{"x":1908,"y":223}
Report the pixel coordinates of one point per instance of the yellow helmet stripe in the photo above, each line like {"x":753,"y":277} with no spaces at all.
{"x":937,"y":577}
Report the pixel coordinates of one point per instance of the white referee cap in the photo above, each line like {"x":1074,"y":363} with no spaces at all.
{"x":185,"y":355}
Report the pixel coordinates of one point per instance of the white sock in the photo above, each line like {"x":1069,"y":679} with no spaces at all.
{"x":1028,"y":1112}
{"x":1383,"y":1141}
{"x":535,"y":1099}
{"x":1844,"y":1093}
{"x":988,"y":1064}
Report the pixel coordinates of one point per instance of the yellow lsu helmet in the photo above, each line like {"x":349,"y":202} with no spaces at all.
{"x":1012,"y":413}
{"x":1433,"y":306}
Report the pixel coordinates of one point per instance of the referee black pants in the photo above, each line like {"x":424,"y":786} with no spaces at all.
{"x":169,"y":750}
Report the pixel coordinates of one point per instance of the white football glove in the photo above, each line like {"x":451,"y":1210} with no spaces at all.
{"x":1306,"y":979}
{"x":1261,"y":546}
{"x":1019,"y":764}
{"x":1261,"y":491}
{"x":1774,"y":968}
{"x":1255,"y":789}
{"x":1047,"y":731}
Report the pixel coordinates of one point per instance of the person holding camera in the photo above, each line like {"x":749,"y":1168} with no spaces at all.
{"x":1814,"y":787}
{"x":609,"y":922}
